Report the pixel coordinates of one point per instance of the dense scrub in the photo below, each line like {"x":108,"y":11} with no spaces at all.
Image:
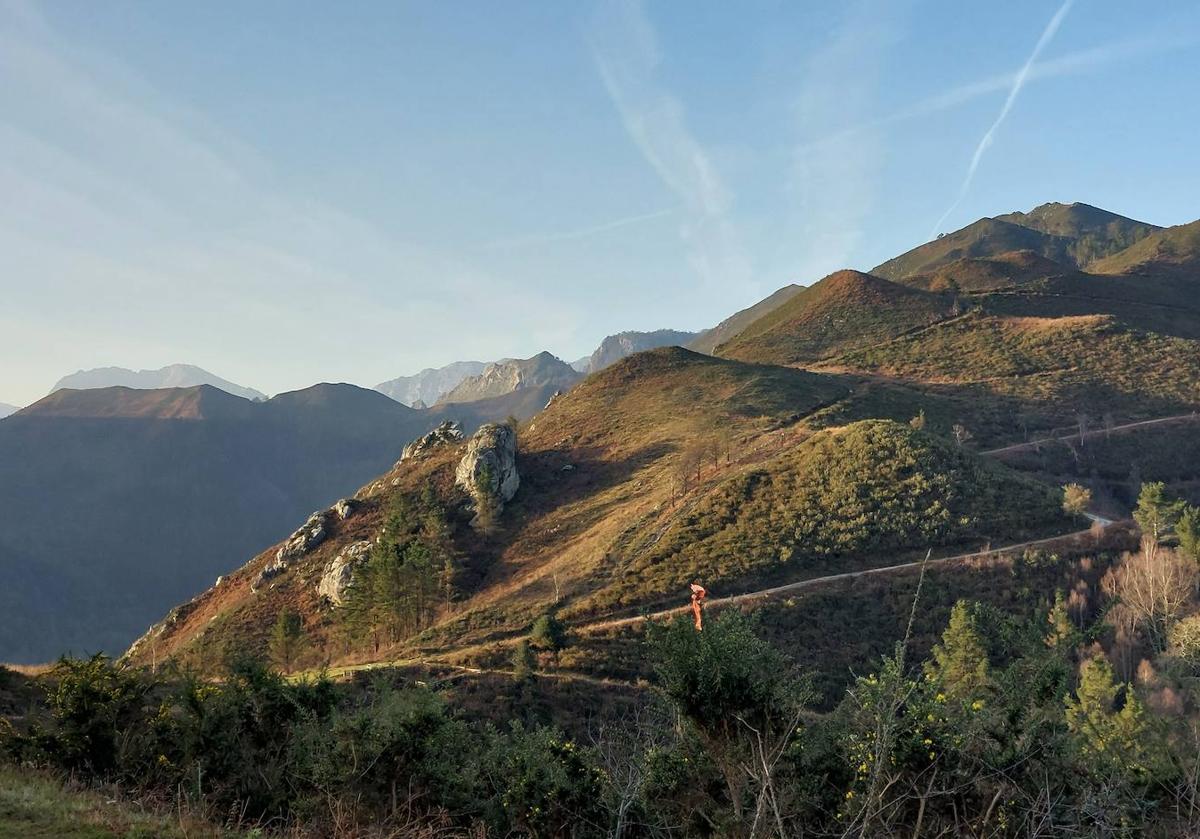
{"x":1090,"y":364}
{"x":843,"y":499}
{"x":1007,"y":727}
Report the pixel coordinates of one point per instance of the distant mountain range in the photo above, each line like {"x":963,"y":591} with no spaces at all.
{"x":173,"y":375}
{"x":430,"y":384}
{"x":167,"y":488}
{"x":542,"y":371}
{"x":615,"y":347}
{"x":130,"y":500}
{"x":6,"y":409}
{"x":436,"y":384}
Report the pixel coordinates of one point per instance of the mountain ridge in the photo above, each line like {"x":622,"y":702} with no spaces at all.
{"x":171,"y":376}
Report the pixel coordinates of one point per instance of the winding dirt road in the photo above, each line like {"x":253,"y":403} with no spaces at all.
{"x":1116,"y":429}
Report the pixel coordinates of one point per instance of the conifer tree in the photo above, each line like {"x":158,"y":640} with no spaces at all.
{"x":287,"y":639}
{"x":960,"y":662}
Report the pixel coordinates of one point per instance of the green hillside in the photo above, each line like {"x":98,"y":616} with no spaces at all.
{"x":1072,"y":234}
{"x":842,"y":312}
{"x":1090,"y":363}
{"x":1093,"y":233}
{"x":1175,"y":250}
{"x":862,"y":495}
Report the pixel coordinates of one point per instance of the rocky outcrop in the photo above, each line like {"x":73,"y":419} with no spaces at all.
{"x":339,"y":573}
{"x":488,"y":471}
{"x":427,"y":386}
{"x":311,"y":534}
{"x":345,"y":508}
{"x":510,"y":375}
{"x":448,"y":433}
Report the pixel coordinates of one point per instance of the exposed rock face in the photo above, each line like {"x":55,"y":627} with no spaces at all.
{"x":448,"y":433}
{"x":543,"y":370}
{"x":490,"y":464}
{"x":427,"y":386}
{"x":339,"y":573}
{"x":615,"y":347}
{"x":311,"y":534}
{"x":345,"y":508}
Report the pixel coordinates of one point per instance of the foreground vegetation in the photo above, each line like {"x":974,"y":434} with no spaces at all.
{"x":1062,"y":726}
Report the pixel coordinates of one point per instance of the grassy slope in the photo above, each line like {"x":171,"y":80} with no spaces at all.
{"x":1175,"y":249}
{"x":1072,"y":234}
{"x":861,"y":495}
{"x":844,"y":311}
{"x":1087,"y":363}
{"x":620,"y":431}
{"x":37,"y":806}
{"x":708,"y":340}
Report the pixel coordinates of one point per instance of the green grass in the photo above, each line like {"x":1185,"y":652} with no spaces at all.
{"x":34,"y":805}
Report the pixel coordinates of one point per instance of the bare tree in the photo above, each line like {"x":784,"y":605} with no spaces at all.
{"x":1152,"y":587}
{"x":624,"y":748}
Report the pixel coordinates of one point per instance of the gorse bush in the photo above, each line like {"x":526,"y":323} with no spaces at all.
{"x":867,"y":491}
{"x":1010,"y":728}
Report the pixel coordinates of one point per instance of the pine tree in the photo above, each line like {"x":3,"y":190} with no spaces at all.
{"x":547,"y":633}
{"x":1187,"y":529}
{"x":287,"y":639}
{"x":1111,"y":742}
{"x":960,"y":662}
{"x":1156,"y":515}
{"x":524,"y":661}
{"x":1063,"y":635}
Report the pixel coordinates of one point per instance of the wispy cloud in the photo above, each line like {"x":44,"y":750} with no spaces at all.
{"x":627,"y":57}
{"x":832,"y":186}
{"x":583,"y":232}
{"x":135,"y":232}
{"x":1080,"y":61}
{"x":1014,"y":91}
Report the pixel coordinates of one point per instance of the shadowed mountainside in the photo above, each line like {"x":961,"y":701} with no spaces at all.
{"x":173,"y":375}
{"x":133,"y":500}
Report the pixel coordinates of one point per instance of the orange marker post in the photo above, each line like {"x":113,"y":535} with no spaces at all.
{"x":698,"y":595}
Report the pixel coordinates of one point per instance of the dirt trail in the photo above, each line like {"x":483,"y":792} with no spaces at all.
{"x":767,"y":593}
{"x":1016,"y":447}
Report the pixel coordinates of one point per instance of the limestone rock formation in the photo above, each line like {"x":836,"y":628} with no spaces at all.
{"x":448,"y":433}
{"x":345,"y":508}
{"x":488,"y":471}
{"x":310,"y":534}
{"x":339,"y":573}
{"x":541,"y":371}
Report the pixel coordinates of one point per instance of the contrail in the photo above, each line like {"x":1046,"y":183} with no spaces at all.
{"x":1014,"y":91}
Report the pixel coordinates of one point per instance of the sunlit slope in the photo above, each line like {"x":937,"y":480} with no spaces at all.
{"x":842,"y":312}
{"x":865,"y":494}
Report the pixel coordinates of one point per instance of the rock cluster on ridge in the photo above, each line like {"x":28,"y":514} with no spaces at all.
{"x":448,"y":433}
{"x":490,"y":465}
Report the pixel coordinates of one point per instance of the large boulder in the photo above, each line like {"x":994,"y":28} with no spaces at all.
{"x":490,"y":465}
{"x":448,"y":433}
{"x":339,"y":573}
{"x":310,"y":534}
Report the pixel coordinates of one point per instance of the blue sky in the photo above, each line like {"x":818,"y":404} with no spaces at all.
{"x":292,"y":192}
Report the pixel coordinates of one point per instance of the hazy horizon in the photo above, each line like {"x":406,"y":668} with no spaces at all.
{"x":284,"y":195}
